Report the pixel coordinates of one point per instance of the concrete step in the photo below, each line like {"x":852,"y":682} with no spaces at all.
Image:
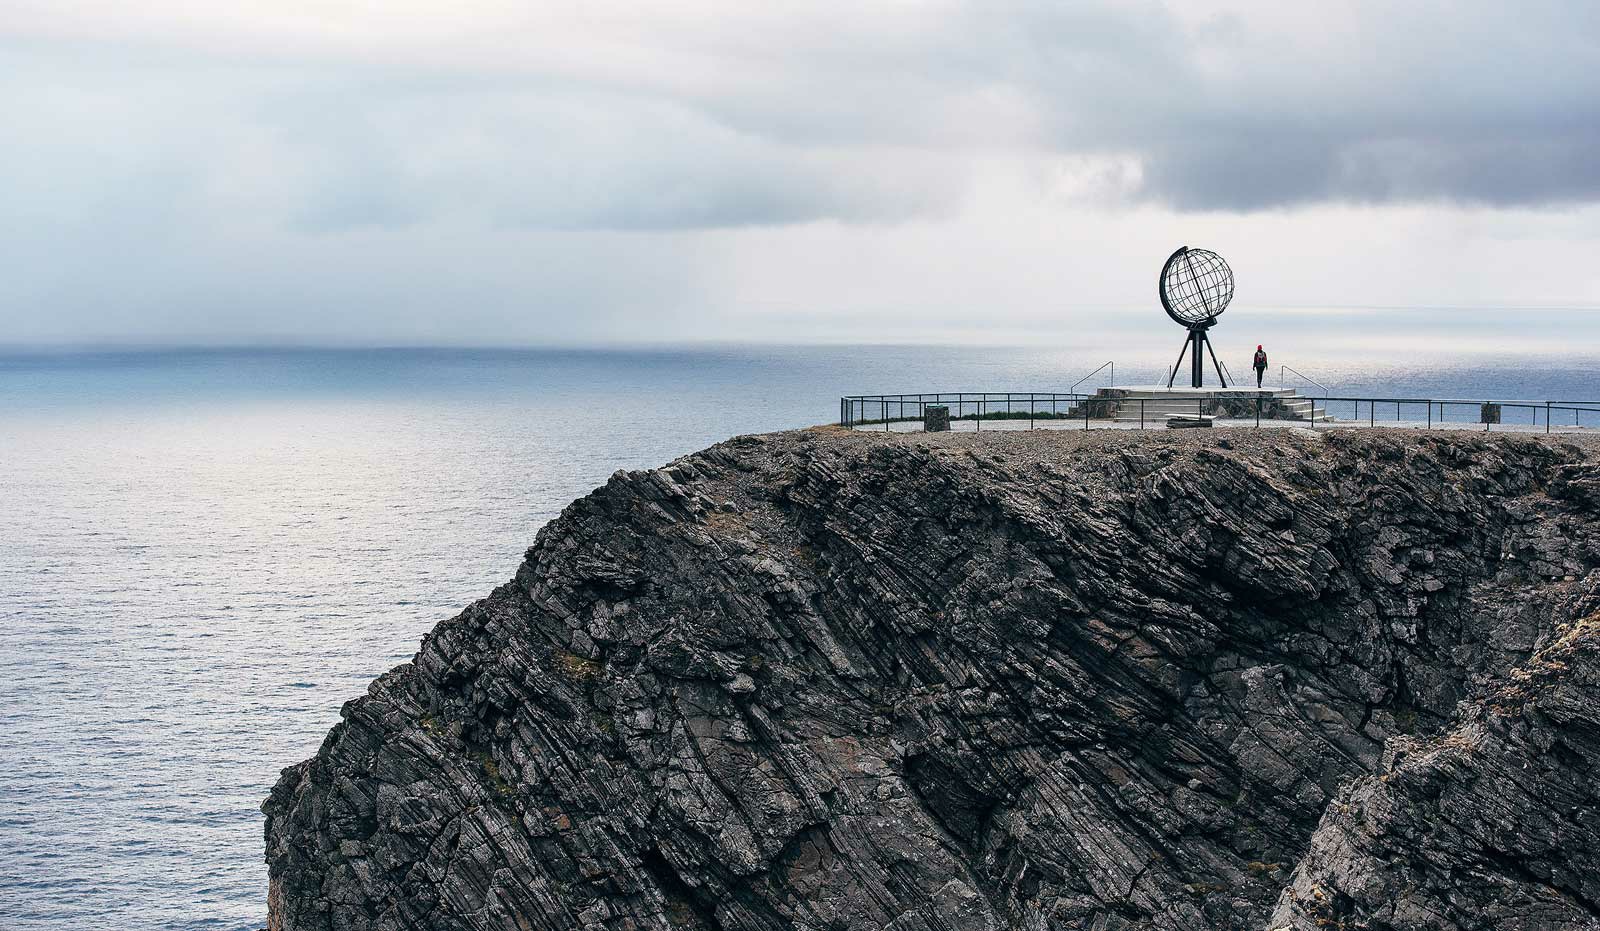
{"x":1154,"y":412}
{"x":1155,"y":405}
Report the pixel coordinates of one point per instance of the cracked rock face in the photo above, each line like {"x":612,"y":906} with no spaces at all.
{"x":824,"y":680}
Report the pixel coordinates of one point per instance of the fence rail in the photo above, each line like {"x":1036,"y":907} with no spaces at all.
{"x":977,"y":406}
{"x":1066,"y":408}
{"x":1460,"y":411}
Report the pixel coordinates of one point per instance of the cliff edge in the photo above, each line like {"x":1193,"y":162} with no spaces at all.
{"x":828,"y":680}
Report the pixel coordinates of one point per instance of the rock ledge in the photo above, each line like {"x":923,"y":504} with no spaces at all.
{"x":822,"y":680}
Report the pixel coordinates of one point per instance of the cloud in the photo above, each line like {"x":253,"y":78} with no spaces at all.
{"x":585,"y":170}
{"x":704,"y":115}
{"x":579,"y":161}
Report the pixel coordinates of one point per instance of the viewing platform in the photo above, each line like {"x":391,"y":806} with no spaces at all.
{"x":1156,"y":407}
{"x":1158,"y":403}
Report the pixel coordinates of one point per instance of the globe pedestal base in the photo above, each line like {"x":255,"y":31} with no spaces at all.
{"x":1191,"y":347}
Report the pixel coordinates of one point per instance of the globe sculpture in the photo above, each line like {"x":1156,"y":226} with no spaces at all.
{"x":1196,"y":286}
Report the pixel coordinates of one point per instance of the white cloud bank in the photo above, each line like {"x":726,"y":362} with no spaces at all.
{"x":486,"y":172}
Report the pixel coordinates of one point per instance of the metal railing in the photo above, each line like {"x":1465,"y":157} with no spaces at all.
{"x":1468,"y":412}
{"x":1060,"y":409}
{"x":977,"y":406}
{"x":1301,"y":375}
{"x":1103,"y":366}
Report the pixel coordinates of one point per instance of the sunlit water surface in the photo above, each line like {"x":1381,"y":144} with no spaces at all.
{"x":203,"y":554}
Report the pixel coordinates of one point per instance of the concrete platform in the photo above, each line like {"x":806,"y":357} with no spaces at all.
{"x":1207,"y":391}
{"x":970,"y":426}
{"x":1158,"y":402}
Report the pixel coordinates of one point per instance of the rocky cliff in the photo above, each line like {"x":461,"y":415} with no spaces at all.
{"x":823,"y":680}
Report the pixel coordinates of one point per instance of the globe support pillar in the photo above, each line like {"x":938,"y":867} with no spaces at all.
{"x":1197,"y":366}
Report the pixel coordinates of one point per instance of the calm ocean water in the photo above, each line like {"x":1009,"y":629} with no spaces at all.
{"x":203,"y":554}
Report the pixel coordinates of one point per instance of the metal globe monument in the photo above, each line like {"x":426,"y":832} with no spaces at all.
{"x":1196,"y":286}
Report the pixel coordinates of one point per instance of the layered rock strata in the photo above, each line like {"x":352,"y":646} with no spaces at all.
{"x":823,"y":680}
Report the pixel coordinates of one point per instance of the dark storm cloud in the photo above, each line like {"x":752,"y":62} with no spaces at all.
{"x":1272,"y":171}
{"x":1260,"y":106}
{"x":736,"y":118}
{"x":1494,"y":104}
{"x":1288,"y":104}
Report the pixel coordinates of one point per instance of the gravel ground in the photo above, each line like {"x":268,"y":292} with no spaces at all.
{"x":1052,"y":443}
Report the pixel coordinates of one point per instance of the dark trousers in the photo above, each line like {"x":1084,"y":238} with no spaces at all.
{"x":1259,"y":373}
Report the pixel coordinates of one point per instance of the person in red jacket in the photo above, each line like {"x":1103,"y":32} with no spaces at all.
{"x":1260,"y":364}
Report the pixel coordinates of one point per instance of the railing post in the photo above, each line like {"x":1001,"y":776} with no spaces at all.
{"x":1258,"y":410}
{"x":1547,"y":417}
{"x":1429,"y":405}
{"x":1141,"y":413}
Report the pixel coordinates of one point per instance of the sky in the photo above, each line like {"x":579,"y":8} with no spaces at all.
{"x":510,"y":173}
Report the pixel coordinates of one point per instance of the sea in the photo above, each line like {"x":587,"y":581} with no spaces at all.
{"x":205,"y":552}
